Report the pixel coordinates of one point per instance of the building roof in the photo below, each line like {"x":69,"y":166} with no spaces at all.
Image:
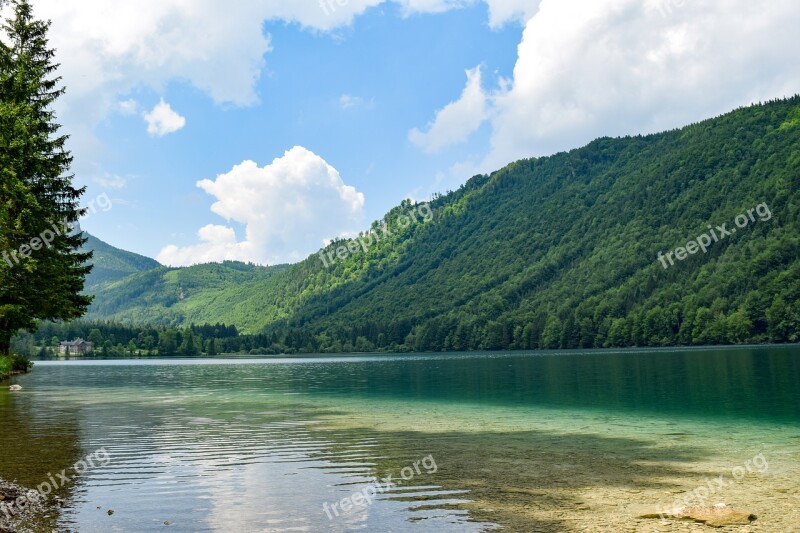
{"x":76,"y":342}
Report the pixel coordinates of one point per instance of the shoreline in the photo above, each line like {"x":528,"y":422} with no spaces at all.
{"x":21,"y":508}
{"x":12,"y":365}
{"x":8,"y":376}
{"x":474,"y":353}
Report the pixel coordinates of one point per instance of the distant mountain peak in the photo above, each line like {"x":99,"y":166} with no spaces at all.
{"x":112,"y":264}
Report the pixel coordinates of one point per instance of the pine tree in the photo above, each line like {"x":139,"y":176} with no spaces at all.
{"x":189,"y":345}
{"x":211,"y":347}
{"x":42,"y":270}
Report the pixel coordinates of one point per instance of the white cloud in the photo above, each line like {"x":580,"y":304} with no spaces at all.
{"x":162,"y":120}
{"x":432,"y":6}
{"x":108,"y":49}
{"x":348,"y":101}
{"x":128,"y":107}
{"x":456,"y":121}
{"x":585,"y":67}
{"x":217,"y":243}
{"x":588,"y":68}
{"x":110,"y":181}
{"x":289,"y":208}
{"x":502,"y":11}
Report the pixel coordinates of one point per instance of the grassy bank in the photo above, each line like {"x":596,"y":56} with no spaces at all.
{"x":13,"y":364}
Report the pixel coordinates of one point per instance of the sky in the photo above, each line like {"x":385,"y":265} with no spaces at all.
{"x":259,"y":130}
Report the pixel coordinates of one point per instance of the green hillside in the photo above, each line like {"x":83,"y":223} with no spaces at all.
{"x":176,"y":296}
{"x":112,"y":264}
{"x":551,"y":252}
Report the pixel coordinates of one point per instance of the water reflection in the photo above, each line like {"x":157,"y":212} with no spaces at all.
{"x":38,"y":443}
{"x":206,"y":456}
{"x":265,"y":446}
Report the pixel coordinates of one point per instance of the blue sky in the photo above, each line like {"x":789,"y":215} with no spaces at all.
{"x":259,"y":132}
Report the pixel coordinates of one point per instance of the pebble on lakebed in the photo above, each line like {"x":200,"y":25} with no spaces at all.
{"x":17,"y":503}
{"x":719,"y":515}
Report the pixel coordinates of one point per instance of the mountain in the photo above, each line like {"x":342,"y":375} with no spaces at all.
{"x":112,"y":264}
{"x":176,"y":296}
{"x":586,"y":248}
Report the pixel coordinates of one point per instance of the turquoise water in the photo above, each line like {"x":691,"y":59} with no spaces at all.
{"x":561,"y":441}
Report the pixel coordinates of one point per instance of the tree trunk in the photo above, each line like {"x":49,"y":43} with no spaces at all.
{"x":5,"y":343}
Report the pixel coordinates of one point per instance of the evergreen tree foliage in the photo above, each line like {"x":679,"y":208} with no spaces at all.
{"x":42,"y":272}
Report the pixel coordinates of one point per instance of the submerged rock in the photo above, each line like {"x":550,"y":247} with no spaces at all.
{"x":719,"y":515}
{"x":17,"y":503}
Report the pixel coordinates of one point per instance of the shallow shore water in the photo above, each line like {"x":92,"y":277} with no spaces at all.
{"x":561,"y":441}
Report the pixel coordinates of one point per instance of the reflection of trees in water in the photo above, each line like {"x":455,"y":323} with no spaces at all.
{"x":741,"y":382}
{"x":37,"y":442}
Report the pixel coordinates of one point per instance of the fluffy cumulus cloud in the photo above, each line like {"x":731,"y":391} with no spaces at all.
{"x":588,"y":68}
{"x":503,"y":11}
{"x":162,"y":120}
{"x":107,"y":49}
{"x":456,"y":121}
{"x":500,"y":11}
{"x":288,"y":208}
{"x":584,"y":68}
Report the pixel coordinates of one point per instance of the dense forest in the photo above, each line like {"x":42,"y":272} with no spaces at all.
{"x":552,"y":252}
{"x":116,"y":340}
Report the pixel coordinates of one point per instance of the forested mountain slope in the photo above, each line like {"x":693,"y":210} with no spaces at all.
{"x":551,"y":252}
{"x":178,"y":296}
{"x":112,"y":264}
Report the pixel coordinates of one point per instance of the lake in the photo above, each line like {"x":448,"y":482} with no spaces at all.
{"x":530,"y":441}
